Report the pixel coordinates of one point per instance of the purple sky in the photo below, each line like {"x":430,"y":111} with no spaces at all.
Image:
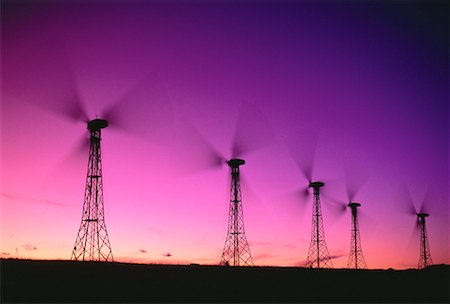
{"x":368,"y":81}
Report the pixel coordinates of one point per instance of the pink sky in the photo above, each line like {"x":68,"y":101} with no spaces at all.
{"x":371,"y":83}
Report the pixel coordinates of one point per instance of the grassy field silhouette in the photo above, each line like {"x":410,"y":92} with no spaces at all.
{"x":68,"y":281}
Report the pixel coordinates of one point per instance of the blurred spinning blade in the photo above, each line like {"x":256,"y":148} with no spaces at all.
{"x":407,"y":205}
{"x":336,"y":207}
{"x":295,"y":201}
{"x":426,"y":205}
{"x":355,"y":178}
{"x":368,"y":222}
{"x":302,"y":148}
{"x":414,"y":237}
{"x":42,"y":75}
{"x":304,"y":193}
{"x":252,"y":131}
{"x":248,"y":194}
{"x":144,"y":110}
{"x":74,"y":161}
{"x":195,"y":152}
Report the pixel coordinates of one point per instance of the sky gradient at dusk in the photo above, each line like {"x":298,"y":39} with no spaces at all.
{"x":368,"y":81}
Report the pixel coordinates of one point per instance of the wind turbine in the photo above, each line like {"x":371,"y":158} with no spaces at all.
{"x":236,"y":251}
{"x":45,"y":78}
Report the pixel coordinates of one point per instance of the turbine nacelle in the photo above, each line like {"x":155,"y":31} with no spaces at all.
{"x":354,"y":205}
{"x":97,"y":124}
{"x":421,"y":217}
{"x":316,"y":186}
{"x":235,"y":162}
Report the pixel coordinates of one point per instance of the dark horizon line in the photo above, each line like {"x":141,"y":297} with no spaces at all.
{"x":216,"y":265}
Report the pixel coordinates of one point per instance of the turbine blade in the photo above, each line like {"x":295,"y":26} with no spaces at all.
{"x":144,"y":110}
{"x":248,"y":194}
{"x":194,"y":152}
{"x":80,"y":151}
{"x":355,"y":178}
{"x":336,"y":207}
{"x":75,"y":160}
{"x":330,"y":199}
{"x":366,"y":220}
{"x":405,"y":203}
{"x":294,"y":202}
{"x":331,"y":186}
{"x":43,"y":75}
{"x":428,"y":202}
{"x":417,"y":226}
{"x":74,"y":109}
{"x":305,"y":193}
{"x":252,"y":131}
{"x":302,"y":147}
{"x":414,"y":238}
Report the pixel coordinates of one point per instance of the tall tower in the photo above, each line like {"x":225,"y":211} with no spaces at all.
{"x":318,"y":256}
{"x":236,"y":251}
{"x":92,"y":243}
{"x":356,"y":258}
{"x":425,"y":256}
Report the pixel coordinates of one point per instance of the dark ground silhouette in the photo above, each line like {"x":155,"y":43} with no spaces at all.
{"x":67,"y":281}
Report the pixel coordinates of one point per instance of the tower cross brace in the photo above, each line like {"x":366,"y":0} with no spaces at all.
{"x":425,"y":256}
{"x":318,"y":256}
{"x":236,"y":251}
{"x":92,"y":242}
{"x":356,"y":258}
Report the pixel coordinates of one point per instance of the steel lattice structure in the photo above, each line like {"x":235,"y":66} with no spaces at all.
{"x":356,"y":258}
{"x":92,"y":243}
{"x":425,"y":256}
{"x":236,"y":251}
{"x":318,"y":256}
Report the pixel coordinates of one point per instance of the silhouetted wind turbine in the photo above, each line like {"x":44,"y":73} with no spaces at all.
{"x":318,"y":254}
{"x":421,"y":212}
{"x":354,"y":180}
{"x":46,"y":79}
{"x":236,"y":250}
